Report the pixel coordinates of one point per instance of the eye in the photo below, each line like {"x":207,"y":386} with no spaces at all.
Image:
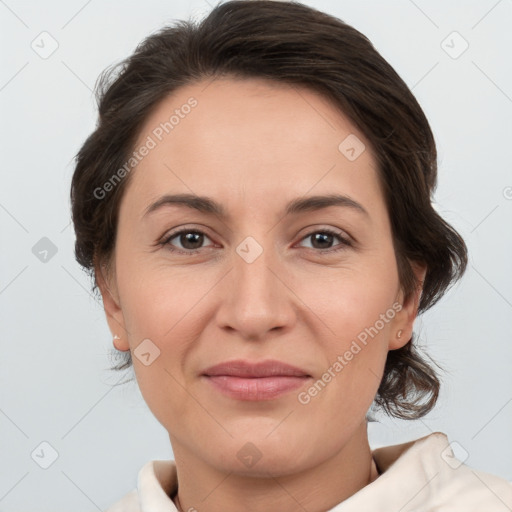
{"x":190,"y":240}
{"x":321,"y":239}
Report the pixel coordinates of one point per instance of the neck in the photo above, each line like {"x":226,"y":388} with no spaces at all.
{"x":317,"y":488}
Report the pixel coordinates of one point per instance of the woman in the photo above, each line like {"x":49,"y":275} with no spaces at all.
{"x":255,"y":209}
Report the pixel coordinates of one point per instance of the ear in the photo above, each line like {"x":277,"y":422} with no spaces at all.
{"x":106,"y":282}
{"x":404,"y":319}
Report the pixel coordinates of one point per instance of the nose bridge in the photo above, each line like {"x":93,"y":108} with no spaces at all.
{"x":257,"y":300}
{"x":252,"y":268}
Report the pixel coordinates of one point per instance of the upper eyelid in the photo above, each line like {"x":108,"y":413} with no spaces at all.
{"x":172,"y":234}
{"x":344,"y":237}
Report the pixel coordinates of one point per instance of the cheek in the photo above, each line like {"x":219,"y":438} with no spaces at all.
{"x":339,"y":399}
{"x":355,"y":304}
{"x":164,"y":306}
{"x":358,"y":310}
{"x":171,"y":307}
{"x":158,"y":301}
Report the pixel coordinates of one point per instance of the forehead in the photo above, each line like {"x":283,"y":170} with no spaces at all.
{"x":251,"y":138}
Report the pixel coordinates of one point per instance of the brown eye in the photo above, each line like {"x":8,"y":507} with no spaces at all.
{"x":189,"y":241}
{"x":323,"y":240}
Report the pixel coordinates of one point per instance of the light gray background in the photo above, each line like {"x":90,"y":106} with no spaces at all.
{"x":54,"y":382}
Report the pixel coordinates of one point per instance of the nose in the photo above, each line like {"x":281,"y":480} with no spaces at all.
{"x":256,"y":298}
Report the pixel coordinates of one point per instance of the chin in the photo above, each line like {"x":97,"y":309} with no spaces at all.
{"x":260,"y":454}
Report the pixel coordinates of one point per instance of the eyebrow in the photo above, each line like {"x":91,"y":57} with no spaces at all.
{"x":306,"y":204}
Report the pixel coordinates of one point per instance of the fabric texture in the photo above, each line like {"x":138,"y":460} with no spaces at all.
{"x":419,"y":476}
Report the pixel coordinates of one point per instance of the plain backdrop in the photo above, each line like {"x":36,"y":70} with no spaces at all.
{"x":56,"y":388}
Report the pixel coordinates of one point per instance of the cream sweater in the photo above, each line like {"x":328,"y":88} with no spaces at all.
{"x":419,"y":476}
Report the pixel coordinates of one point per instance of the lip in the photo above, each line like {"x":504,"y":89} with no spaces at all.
{"x":264,"y":380}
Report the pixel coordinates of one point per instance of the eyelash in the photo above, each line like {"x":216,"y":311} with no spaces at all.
{"x":345,"y":243}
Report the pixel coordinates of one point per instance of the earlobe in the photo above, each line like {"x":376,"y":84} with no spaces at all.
{"x":120,"y":344}
{"x":398,"y":339}
{"x":111,"y":305}
{"x":404,"y":320}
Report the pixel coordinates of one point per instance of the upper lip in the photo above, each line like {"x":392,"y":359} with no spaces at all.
{"x":268,"y":368}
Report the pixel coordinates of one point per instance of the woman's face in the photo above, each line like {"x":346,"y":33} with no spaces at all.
{"x":313,"y":285}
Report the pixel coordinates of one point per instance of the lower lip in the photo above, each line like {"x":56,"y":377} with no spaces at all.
{"x":256,"y":388}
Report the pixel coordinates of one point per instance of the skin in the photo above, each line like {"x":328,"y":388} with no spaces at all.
{"x":254,"y":145}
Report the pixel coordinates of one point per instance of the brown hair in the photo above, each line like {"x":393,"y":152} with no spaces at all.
{"x":293,"y":44}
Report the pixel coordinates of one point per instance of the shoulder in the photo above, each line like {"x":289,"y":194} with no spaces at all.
{"x":129,"y":503}
{"x":430,"y":477}
{"x":156,"y":482}
{"x":476,"y":490}
{"x":464,"y":485}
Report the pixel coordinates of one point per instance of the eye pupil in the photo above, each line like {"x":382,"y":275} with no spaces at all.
{"x":193,"y":238}
{"x":322,"y":237}
{"x":192,"y":241}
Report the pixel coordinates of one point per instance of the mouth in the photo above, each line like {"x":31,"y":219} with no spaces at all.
{"x":266,"y":380}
